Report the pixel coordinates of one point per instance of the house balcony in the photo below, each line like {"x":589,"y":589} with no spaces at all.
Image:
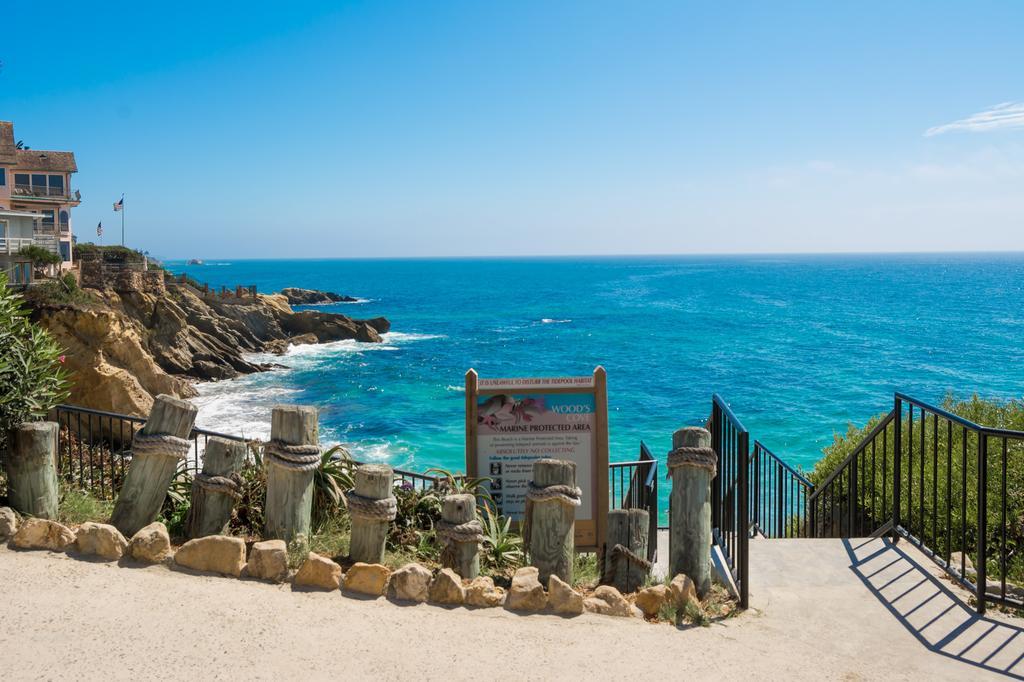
{"x":32,"y":192}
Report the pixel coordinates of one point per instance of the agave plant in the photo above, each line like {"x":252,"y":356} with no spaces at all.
{"x":502,"y":548}
{"x":330,"y":481}
{"x":450,"y":483}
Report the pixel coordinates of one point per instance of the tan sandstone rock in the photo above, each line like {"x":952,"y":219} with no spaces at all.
{"x":411,"y":583}
{"x":268,"y":560}
{"x":446,"y":588}
{"x":151,"y":544}
{"x":682,"y":590}
{"x":369,"y":579}
{"x":526,"y":593}
{"x":651,"y":599}
{"x":102,"y":540}
{"x":8,"y":522}
{"x":562,"y":598}
{"x":43,"y":534}
{"x":319,"y":572}
{"x":215,"y":553}
{"x":482,"y":592}
{"x":608,"y":601}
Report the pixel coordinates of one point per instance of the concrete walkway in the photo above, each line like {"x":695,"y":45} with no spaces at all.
{"x":821,"y":609}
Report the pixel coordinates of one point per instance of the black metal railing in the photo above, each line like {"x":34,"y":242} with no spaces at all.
{"x":779,"y":496}
{"x":730,"y":493}
{"x":634,"y":485}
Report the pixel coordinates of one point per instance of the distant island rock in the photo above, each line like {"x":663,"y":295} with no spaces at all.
{"x":297,"y":296}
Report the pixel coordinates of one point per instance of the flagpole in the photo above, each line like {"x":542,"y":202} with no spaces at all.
{"x":122,"y":220}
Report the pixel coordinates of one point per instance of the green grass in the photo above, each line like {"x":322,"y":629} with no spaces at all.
{"x":78,"y":506}
{"x":585,"y":570}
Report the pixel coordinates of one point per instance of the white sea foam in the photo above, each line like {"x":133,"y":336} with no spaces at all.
{"x":549,"y":320}
{"x":460,"y":389}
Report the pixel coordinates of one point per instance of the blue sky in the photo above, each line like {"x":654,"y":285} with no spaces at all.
{"x":466,"y":128}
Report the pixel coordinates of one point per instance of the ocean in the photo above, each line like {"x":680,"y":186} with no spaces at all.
{"x":800,"y":346}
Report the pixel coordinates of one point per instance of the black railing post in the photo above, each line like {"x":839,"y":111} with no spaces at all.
{"x":982,"y":561}
{"x":716,"y":482}
{"x":897,"y":449}
{"x":743,"y":539}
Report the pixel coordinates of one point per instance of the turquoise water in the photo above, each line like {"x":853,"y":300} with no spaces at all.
{"x":799,"y":346}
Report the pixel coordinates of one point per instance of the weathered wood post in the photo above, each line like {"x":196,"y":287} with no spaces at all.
{"x":625,"y":557}
{"x":216,"y":489}
{"x":157,"y":450}
{"x":691,"y":464}
{"x":372,"y":507}
{"x":292,"y":457}
{"x":550,"y":523}
{"x":32,"y":469}
{"x":461,"y":533}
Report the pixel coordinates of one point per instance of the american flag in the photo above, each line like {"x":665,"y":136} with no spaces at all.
{"x":119,"y":204}
{"x":99,"y":229}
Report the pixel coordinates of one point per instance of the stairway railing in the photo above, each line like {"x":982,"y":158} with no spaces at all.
{"x":730,"y":493}
{"x":780,"y":496}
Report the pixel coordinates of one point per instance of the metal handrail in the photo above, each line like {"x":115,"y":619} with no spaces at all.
{"x":946,"y":414}
{"x":881,"y":426}
{"x":803,"y":479}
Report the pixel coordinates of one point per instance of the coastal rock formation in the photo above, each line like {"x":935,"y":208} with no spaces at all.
{"x":43,"y":534}
{"x":268,"y":560}
{"x":411,"y":583}
{"x":125,"y":347}
{"x":482,"y":592}
{"x":8,"y":522}
{"x":368,"y":579}
{"x":318,"y":572}
{"x":100,"y":539}
{"x":447,"y":588}
{"x":214,"y":553}
{"x":298,"y":296}
{"x":526,"y":593}
{"x":562,"y":598}
{"x":151,"y":544}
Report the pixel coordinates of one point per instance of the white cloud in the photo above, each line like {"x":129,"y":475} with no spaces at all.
{"x":1005,"y":115}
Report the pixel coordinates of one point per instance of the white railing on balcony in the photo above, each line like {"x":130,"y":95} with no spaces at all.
{"x":34,"y":191}
{"x":12,"y":245}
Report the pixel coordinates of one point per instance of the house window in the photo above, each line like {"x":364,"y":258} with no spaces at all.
{"x":39,"y":180}
{"x":3,"y":177}
{"x":56,"y":184}
{"x":64,"y":220}
{"x":48,"y":218}
{"x":21,"y":180}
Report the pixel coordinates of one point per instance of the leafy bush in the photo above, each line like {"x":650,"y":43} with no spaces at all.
{"x":108,"y":254}
{"x":61,"y":291}
{"x":40,"y":257}
{"x":31,"y":378}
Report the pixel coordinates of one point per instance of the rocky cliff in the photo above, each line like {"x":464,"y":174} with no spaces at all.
{"x":125,"y":348}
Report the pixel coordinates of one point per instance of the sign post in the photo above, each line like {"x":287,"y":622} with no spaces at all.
{"x":511,"y":423}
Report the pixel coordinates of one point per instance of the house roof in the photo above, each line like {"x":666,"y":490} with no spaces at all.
{"x":41,"y":160}
{"x":7,"y":155}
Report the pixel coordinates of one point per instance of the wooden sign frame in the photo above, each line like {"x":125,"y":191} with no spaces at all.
{"x":590,"y":533}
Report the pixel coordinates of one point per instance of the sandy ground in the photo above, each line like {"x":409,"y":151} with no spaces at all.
{"x":815,"y":615}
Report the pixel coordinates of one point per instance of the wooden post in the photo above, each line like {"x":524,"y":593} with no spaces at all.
{"x":32,"y":469}
{"x":461,"y":533}
{"x":152,"y":468}
{"x":625,"y":555}
{"x":550,"y":518}
{"x":692,"y":465}
{"x":290,"y":475}
{"x":372,"y":506}
{"x":216,"y":489}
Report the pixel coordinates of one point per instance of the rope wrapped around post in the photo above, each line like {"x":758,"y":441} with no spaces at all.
{"x":618,"y":554}
{"x":293,"y":457}
{"x":549,"y":521}
{"x":228,"y":485}
{"x":385,"y":509}
{"x":567,"y":494}
{"x":701,"y":457}
{"x":470,"y":531}
{"x":161,"y":444}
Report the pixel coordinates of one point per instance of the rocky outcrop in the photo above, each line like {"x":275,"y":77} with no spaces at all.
{"x":298,"y":296}
{"x":127,"y":347}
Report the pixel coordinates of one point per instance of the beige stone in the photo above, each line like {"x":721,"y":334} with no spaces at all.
{"x":43,"y":534}
{"x":482,"y":592}
{"x":411,"y":583}
{"x":369,"y":579}
{"x":151,"y":544}
{"x":319,"y":572}
{"x":608,"y":601}
{"x":526,"y":593}
{"x":8,"y":522}
{"x":651,"y":599}
{"x":214,"y":553}
{"x":682,"y":590}
{"x":102,"y":540}
{"x":562,"y":598}
{"x":447,"y":588}
{"x":268,"y":560}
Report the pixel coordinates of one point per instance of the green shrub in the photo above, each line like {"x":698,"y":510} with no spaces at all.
{"x":40,"y":256}
{"x":32,"y":380}
{"x":78,"y":506}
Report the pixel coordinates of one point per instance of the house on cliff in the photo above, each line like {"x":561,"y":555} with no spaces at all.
{"x":35,"y":201}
